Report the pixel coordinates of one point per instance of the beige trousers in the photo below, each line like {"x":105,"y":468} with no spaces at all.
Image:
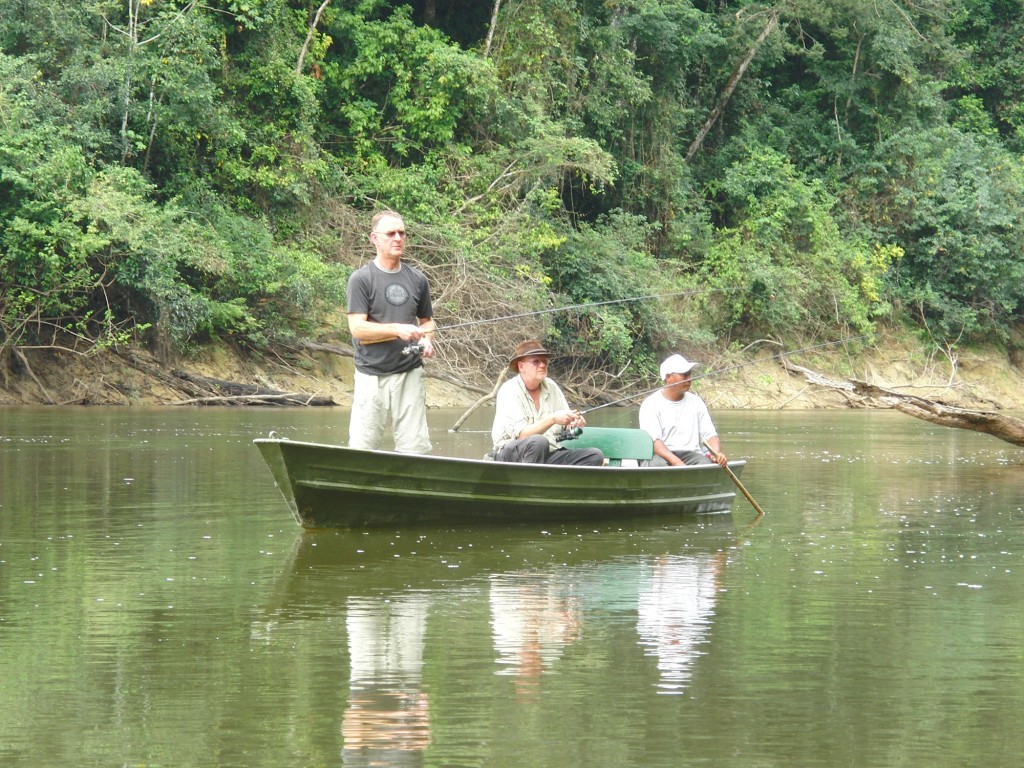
{"x":398,"y":399}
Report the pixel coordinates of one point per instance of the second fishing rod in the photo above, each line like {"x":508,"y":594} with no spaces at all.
{"x":416,"y":348}
{"x":720,"y":371}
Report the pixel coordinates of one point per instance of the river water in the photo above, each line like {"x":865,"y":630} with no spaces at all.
{"x":159,"y":607}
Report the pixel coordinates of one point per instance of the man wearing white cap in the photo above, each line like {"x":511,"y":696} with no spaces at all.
{"x":678,"y":420}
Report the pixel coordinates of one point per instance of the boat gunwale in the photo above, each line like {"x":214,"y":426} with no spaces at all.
{"x":490,"y":462}
{"x":536,"y":501}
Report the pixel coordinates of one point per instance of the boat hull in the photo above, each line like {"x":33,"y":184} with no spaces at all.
{"x":330,"y":486}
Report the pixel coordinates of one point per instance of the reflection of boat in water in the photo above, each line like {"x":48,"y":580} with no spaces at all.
{"x":332,"y":486}
{"x":324,"y":567}
{"x":520,"y":605}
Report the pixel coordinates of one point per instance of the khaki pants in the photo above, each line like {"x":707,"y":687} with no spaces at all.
{"x":400,"y":399}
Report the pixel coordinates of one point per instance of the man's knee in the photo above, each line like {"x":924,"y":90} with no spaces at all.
{"x":694,"y":458}
{"x":365,"y":434}
{"x":527,"y":450}
{"x":535,"y":449}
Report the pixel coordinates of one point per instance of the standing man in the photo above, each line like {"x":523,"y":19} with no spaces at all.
{"x":678,"y":420}
{"x":531,"y":413}
{"x":389,"y":310}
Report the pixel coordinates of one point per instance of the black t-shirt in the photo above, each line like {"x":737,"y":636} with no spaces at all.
{"x":402,"y":296}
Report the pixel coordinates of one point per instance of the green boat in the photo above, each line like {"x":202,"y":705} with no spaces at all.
{"x":332,"y":486}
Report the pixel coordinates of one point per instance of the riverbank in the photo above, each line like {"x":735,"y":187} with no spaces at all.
{"x":976,"y":378}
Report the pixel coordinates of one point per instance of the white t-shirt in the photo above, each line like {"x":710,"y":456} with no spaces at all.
{"x":681,"y":425}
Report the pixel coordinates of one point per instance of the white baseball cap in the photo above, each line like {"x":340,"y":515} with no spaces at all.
{"x":676,"y":364}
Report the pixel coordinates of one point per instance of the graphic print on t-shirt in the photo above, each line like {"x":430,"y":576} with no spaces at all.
{"x":396,"y":294}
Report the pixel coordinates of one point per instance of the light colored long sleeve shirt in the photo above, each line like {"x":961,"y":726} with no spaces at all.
{"x":514,"y":410}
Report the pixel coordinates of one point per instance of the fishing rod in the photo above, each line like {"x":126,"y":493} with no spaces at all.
{"x":720,"y":371}
{"x":695,"y":378}
{"x":574,"y":306}
{"x":416,"y":349}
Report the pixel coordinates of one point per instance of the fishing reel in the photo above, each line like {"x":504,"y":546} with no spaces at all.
{"x":413,"y":349}
{"x":569,"y":434}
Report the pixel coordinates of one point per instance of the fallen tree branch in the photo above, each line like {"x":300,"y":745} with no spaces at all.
{"x":489,"y":396}
{"x":1007,"y":428}
{"x":205,"y":390}
{"x":462,"y":383}
{"x":316,"y":346}
{"x":153,"y":370}
{"x":217,"y":390}
{"x":283,"y":398}
{"x":28,"y":369}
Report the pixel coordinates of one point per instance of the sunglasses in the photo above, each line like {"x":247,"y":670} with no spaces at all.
{"x":392,"y":234}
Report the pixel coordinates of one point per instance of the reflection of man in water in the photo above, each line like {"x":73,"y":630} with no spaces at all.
{"x":674,"y":614}
{"x":532,"y":620}
{"x":386,"y":721}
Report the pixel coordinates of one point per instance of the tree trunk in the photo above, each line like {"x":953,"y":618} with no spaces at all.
{"x":309,"y":36}
{"x":491,"y":28}
{"x":730,"y":86}
{"x":862,"y":394}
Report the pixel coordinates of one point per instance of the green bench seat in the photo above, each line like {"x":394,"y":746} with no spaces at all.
{"x":616,"y":444}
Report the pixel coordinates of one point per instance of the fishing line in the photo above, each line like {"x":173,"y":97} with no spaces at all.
{"x":730,"y":368}
{"x":578,"y":306}
{"x":415,"y":348}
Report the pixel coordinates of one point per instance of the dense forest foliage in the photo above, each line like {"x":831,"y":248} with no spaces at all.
{"x":174,"y":172}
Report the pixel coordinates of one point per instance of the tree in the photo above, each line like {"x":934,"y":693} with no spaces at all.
{"x":954,"y":203}
{"x":45,"y":279}
{"x":781,"y":264}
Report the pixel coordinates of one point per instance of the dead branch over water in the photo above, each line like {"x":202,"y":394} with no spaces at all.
{"x":863,"y":394}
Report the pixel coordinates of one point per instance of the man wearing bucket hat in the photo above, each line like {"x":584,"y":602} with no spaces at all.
{"x":678,"y":420}
{"x":531,"y":414}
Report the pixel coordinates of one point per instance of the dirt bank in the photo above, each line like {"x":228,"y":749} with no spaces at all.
{"x":976,"y":378}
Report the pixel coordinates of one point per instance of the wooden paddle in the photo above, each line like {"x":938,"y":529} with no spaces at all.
{"x":744,"y":491}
